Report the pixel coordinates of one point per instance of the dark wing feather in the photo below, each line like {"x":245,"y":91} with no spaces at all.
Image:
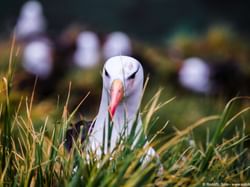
{"x":73,"y":132}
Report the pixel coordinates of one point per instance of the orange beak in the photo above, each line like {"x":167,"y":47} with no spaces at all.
{"x":116,"y":95}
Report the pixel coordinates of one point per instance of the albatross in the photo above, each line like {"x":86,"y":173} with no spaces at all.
{"x":121,"y":95}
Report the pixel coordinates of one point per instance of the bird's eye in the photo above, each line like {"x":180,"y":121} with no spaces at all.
{"x":106,"y":73}
{"x":132,"y":76}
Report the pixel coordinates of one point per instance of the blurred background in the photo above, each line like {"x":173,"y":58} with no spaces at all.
{"x":196,"y":51}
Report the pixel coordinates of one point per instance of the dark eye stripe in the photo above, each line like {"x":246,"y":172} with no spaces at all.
{"x":106,"y":73}
{"x":132,"y":76}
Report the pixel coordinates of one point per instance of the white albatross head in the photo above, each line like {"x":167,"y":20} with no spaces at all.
{"x":122,"y":81}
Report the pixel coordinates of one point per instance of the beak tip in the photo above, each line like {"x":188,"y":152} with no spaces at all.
{"x":111,"y":113}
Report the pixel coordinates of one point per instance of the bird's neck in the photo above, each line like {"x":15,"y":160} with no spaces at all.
{"x":127,"y":110}
{"x":124,"y":117}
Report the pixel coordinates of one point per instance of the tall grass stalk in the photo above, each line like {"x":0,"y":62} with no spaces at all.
{"x":40,"y":159}
{"x":224,"y":122}
{"x":6,"y":116}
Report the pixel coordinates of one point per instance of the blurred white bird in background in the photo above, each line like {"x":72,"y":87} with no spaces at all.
{"x":37,"y":58}
{"x":195,"y":75}
{"x":87,"y":52}
{"x":31,"y":21}
{"x":117,"y":43}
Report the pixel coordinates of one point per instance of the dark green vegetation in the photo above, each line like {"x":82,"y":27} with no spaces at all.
{"x":148,"y":19}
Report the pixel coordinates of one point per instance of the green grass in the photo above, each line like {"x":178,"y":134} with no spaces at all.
{"x":34,"y":155}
